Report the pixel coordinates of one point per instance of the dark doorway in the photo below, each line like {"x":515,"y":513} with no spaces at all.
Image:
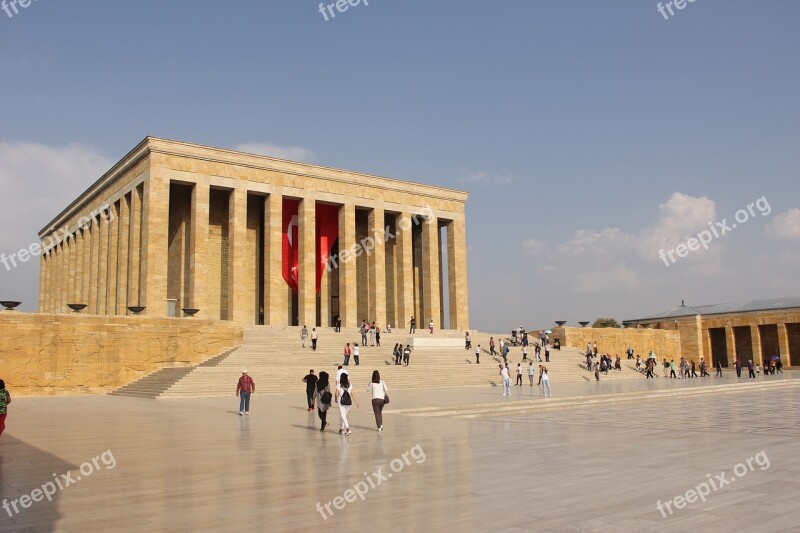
{"x":719,"y":346}
{"x":769,"y":342}
{"x":743,"y":339}
{"x":793,"y":332}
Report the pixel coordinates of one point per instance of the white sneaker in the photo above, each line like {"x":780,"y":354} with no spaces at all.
{"x":248,"y":413}
{"x":241,"y":413}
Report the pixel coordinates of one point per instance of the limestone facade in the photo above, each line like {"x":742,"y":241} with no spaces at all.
{"x":175,"y":225}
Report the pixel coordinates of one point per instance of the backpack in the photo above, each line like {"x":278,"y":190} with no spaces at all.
{"x":345,"y":399}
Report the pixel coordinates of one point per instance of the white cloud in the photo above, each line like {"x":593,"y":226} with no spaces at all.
{"x":38,"y":182}
{"x":292,"y":153}
{"x":785,"y":226}
{"x":534,"y":247}
{"x":485,"y":178}
{"x":612,"y":261}
{"x":680,"y":218}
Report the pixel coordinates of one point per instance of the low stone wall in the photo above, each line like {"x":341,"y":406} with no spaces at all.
{"x":614,"y":341}
{"x":59,"y":354}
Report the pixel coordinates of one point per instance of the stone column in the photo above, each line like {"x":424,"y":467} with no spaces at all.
{"x":783,"y":344}
{"x":346,"y":262}
{"x":239,"y":301}
{"x":155,"y":221}
{"x":56,"y":278}
{"x":275,"y":289}
{"x":102,"y":265}
{"x":198,"y":248}
{"x":79,"y":266}
{"x":755,"y":338}
{"x":730,"y":341}
{"x":404,"y":271}
{"x":430,"y":275}
{"x":124,"y":251}
{"x":113,"y":257}
{"x":376,"y":261}
{"x":307,"y":263}
{"x":69,"y":257}
{"x":62,"y":277}
{"x":135,"y":257}
{"x":457,"y":275}
{"x":42,"y":282}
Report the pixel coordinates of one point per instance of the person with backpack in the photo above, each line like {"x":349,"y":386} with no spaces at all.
{"x":379,"y":397}
{"x":5,"y":399}
{"x":323,"y":398}
{"x":345,"y":396}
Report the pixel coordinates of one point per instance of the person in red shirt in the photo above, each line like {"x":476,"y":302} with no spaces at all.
{"x":244,"y":388}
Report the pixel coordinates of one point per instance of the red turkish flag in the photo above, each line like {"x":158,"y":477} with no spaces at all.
{"x":327,"y":233}
{"x":291,"y":242}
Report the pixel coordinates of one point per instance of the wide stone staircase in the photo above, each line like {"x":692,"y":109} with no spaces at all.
{"x":273,"y":356}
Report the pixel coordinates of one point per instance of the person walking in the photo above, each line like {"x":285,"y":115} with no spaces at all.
{"x":5,"y":399}
{"x":303,"y":335}
{"x":478,"y":354}
{"x":506,"y":379}
{"x":519,"y":375}
{"x":311,"y":385}
{"x":323,"y":398}
{"x":546,"y":353}
{"x":347,"y":352}
{"x":524,"y":352}
{"x":345,"y":396}
{"x":505,"y":351}
{"x":379,"y":397}
{"x":363,"y":331}
{"x":377,"y":336}
{"x":355,"y":352}
{"x":491,"y":347}
{"x":738,"y":366}
{"x":412,"y":326}
{"x":339,"y":371}
{"x":244,"y":389}
{"x":694,"y":370}
{"x":750,"y":369}
{"x":531,"y":372}
{"x":338,"y":323}
{"x":672,"y":369}
{"x":314,"y":339}
{"x":407,"y":354}
{"x":467,"y":341}
{"x":545,"y":380}
{"x":430,"y":327}
{"x":719,"y":369}
{"x":398,"y":353}
{"x":372,"y":334}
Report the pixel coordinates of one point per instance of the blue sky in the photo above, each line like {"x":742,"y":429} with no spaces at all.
{"x":589,"y":134}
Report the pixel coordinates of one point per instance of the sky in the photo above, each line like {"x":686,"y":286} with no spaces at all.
{"x":591,"y":135}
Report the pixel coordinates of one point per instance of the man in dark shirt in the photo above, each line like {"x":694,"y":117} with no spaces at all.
{"x":311,"y":383}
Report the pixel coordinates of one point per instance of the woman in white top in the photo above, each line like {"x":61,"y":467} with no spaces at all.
{"x":344,"y":404}
{"x":378,"y":388}
{"x":545,"y":382}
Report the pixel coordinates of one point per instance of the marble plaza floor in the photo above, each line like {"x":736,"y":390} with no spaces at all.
{"x":449,"y":459}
